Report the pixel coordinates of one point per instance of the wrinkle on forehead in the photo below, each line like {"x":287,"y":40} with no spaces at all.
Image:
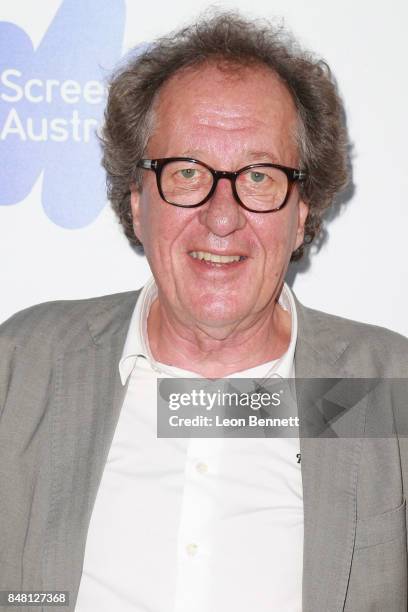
{"x":200,"y":109}
{"x":228,"y":118}
{"x":208,"y":82}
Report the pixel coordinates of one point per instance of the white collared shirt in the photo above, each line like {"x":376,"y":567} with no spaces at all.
{"x":199,"y":524}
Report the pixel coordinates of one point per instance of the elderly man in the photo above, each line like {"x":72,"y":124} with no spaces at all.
{"x":223,"y":145}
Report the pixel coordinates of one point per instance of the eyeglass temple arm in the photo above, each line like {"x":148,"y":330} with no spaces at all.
{"x":147,"y":164}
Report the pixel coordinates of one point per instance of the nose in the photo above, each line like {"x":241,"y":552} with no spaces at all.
{"x":222,"y":214}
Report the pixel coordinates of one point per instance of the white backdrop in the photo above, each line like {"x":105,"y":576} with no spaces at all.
{"x":58,"y":238}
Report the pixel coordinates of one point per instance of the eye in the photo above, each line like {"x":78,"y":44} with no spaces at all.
{"x":257,"y":177}
{"x":188,"y":173}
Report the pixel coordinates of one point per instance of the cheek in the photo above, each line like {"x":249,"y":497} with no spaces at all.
{"x":275,"y":236}
{"x":161,"y":224}
{"x":152,"y":218}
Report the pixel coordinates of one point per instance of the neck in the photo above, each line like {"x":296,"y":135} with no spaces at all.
{"x":212,"y":354}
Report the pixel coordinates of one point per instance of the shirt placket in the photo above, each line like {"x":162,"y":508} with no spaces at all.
{"x":194,"y":545}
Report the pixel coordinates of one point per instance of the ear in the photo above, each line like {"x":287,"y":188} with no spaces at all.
{"x":303,"y":211}
{"x":135,"y":206}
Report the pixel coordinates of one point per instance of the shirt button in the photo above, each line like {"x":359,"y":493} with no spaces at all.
{"x":191,"y":549}
{"x":202,"y":468}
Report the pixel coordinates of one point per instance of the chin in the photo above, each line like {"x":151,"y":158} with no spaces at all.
{"x":218,"y":313}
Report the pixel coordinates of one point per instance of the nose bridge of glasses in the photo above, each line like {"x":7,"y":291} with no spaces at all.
{"x":224,"y":214}
{"x":229,"y":176}
{"x":225,"y":174}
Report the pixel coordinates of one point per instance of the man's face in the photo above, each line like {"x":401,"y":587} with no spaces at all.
{"x":227,"y":121}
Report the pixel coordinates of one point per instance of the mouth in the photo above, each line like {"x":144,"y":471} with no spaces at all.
{"x":216,"y":259}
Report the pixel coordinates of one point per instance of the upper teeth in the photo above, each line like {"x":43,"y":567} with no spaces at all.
{"x":215,"y":258}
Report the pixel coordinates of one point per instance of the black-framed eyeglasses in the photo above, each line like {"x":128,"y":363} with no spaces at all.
{"x":188,"y":182}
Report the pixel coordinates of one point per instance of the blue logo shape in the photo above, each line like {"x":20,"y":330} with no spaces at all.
{"x":51,"y":101}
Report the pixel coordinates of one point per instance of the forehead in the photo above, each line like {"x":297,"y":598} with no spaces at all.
{"x":222,"y":109}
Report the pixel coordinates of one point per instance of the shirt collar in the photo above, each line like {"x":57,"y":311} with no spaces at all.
{"x":137,"y":342}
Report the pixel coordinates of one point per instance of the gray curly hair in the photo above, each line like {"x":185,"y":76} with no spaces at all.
{"x":227,"y":36}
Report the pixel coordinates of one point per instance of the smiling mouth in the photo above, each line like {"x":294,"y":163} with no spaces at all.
{"x":217,"y":259}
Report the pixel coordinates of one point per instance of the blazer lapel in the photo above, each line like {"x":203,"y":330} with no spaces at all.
{"x":329,"y":463}
{"x":88,"y":400}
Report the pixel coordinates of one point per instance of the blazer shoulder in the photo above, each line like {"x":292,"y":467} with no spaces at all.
{"x":378,"y":348}
{"x":56,"y":321}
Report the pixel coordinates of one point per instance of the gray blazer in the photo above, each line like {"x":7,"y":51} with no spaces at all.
{"x":60,"y":397}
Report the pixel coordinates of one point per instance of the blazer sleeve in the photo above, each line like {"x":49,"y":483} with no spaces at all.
{"x":27,"y":332}
{"x":7,"y":355}
{"x":403,"y":445}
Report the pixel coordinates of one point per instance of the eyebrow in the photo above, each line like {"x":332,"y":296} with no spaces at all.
{"x":250,"y":155}
{"x":264,"y":155}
